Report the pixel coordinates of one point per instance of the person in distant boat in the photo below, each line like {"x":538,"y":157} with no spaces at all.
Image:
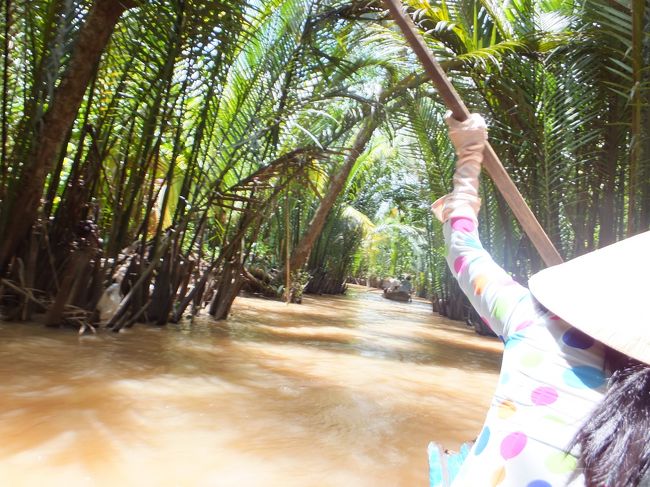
{"x":572,"y":406}
{"x":405,"y":285}
{"x":391,"y":285}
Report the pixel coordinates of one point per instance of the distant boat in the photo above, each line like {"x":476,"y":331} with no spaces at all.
{"x":402,"y":296}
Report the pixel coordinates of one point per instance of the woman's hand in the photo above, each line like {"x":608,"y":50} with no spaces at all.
{"x":469,"y":138}
{"x":469,"y":133}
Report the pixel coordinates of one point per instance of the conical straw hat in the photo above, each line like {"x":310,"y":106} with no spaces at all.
{"x":605,"y":294}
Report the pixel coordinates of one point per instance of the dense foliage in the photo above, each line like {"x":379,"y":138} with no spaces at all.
{"x":187,"y":148}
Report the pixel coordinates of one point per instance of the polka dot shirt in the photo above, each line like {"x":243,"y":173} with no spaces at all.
{"x":551,"y":377}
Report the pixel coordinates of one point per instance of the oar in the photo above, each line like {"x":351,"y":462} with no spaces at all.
{"x":491,"y":162}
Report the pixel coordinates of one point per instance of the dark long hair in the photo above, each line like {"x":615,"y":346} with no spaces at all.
{"x":615,"y":441}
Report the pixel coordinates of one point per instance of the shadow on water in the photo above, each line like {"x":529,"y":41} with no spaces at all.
{"x":338,"y":391}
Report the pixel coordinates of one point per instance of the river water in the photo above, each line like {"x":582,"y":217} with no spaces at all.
{"x":340,"y":391}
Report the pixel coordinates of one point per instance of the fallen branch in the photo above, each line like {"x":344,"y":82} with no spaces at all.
{"x":26,"y":292}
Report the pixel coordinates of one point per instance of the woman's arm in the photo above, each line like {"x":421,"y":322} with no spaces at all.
{"x":490,"y":289}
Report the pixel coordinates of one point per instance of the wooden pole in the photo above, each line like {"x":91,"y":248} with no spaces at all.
{"x":492,"y":164}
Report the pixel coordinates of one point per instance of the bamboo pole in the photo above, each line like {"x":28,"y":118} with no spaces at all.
{"x":491,"y":161}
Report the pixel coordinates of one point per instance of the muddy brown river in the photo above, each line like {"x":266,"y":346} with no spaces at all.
{"x":340,"y":391}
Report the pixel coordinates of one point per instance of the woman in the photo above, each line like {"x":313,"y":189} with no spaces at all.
{"x":572,"y":406}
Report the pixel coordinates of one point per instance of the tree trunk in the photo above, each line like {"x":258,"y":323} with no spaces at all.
{"x":301,"y":253}
{"x":161,"y":298}
{"x":607,"y":170}
{"x":93,"y":39}
{"x":196,"y":293}
{"x":4,"y":112}
{"x":72,"y":272}
{"x":638,"y":16}
{"x":230,"y":284}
